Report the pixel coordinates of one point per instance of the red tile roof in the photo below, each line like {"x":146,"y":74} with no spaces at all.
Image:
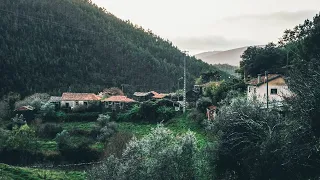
{"x":25,"y":108}
{"x":80,"y":97}
{"x":119,"y":99}
{"x":158,"y":95}
{"x":263,"y":79}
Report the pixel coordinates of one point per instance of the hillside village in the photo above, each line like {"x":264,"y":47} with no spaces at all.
{"x":86,"y":95}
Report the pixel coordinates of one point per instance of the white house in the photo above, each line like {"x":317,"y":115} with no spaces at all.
{"x":277,"y":89}
{"x":71,"y":100}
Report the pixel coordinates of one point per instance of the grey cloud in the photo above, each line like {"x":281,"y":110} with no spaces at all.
{"x":211,"y":43}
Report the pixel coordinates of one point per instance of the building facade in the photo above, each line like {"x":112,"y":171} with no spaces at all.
{"x":72,"y":100}
{"x":277,"y":89}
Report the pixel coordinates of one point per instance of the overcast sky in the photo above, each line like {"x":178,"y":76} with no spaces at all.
{"x":206,"y":25}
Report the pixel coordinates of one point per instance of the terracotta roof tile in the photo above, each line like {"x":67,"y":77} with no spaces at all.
{"x":118,"y":99}
{"x":80,"y":97}
{"x":25,"y":108}
{"x":160,"y":96}
{"x":263,"y":79}
{"x":142,"y":94}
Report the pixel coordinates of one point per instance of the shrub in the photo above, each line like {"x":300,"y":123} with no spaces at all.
{"x":107,"y":131}
{"x":165,"y":113}
{"x":73,"y":117}
{"x":23,"y":139}
{"x":117,"y":144}
{"x":257,"y":143}
{"x":197,"y":116}
{"x":47,"y":109}
{"x":106,"y":128}
{"x":103,"y":120}
{"x":158,"y":155}
{"x":18,"y":120}
{"x":131,"y":115}
{"x":150,"y":111}
{"x":4,"y":135}
{"x":79,"y":108}
{"x":4,"y":110}
{"x":35,"y":100}
{"x":76,"y":148}
{"x":203,"y":103}
{"x":49,"y":130}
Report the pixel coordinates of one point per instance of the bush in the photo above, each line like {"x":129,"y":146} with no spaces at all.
{"x":35,"y":100}
{"x":49,"y":130}
{"x":197,"y":116}
{"x":4,"y":110}
{"x":73,"y":117}
{"x":4,"y":135}
{"x":22,"y":139}
{"x":76,"y":149}
{"x":103,"y":120}
{"x":158,"y":155}
{"x":79,"y":108}
{"x":106,"y":128}
{"x":131,"y":115}
{"x":257,"y":143}
{"x":165,"y":113}
{"x":150,"y":111}
{"x":203,"y":103}
{"x":47,"y":109}
{"x":18,"y":120}
{"x":117,"y":144}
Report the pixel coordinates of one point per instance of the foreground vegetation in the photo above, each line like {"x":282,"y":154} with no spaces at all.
{"x":16,"y":173}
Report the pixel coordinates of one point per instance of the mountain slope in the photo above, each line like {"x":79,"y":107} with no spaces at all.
{"x":228,"y":69}
{"x":231,"y":57}
{"x":206,"y":54}
{"x":59,"y":45}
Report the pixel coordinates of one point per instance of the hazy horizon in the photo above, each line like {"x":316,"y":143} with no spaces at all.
{"x":212,"y":25}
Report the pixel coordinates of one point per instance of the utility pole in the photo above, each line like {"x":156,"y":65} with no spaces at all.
{"x":179,"y":88}
{"x":185,"y":83}
{"x":267,"y":79}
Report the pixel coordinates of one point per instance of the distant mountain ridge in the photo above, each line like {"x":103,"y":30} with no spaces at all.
{"x":231,"y":57}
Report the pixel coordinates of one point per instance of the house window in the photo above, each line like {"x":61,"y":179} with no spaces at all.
{"x":255,"y":90}
{"x":77,"y":103}
{"x":249,"y":89}
{"x":274,"y":91}
{"x":85,"y":103}
{"x":67,"y":105}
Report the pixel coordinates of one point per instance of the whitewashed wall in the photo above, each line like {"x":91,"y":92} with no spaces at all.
{"x":261,"y":93}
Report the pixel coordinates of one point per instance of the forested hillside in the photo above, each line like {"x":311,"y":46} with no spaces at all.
{"x":59,"y":45}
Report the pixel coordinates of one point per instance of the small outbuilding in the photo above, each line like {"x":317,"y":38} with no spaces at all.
{"x":28,"y":112}
{"x":211,"y":112}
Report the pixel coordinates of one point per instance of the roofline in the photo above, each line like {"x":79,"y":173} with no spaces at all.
{"x":259,"y":84}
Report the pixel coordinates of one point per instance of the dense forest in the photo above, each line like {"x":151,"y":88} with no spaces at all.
{"x":73,"y":45}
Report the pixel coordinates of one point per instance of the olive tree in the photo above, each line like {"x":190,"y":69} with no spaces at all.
{"x":158,"y":155}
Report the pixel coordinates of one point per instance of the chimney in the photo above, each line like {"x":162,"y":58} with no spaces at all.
{"x":259,"y":78}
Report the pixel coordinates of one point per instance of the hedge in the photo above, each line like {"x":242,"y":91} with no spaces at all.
{"x":72,"y":117}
